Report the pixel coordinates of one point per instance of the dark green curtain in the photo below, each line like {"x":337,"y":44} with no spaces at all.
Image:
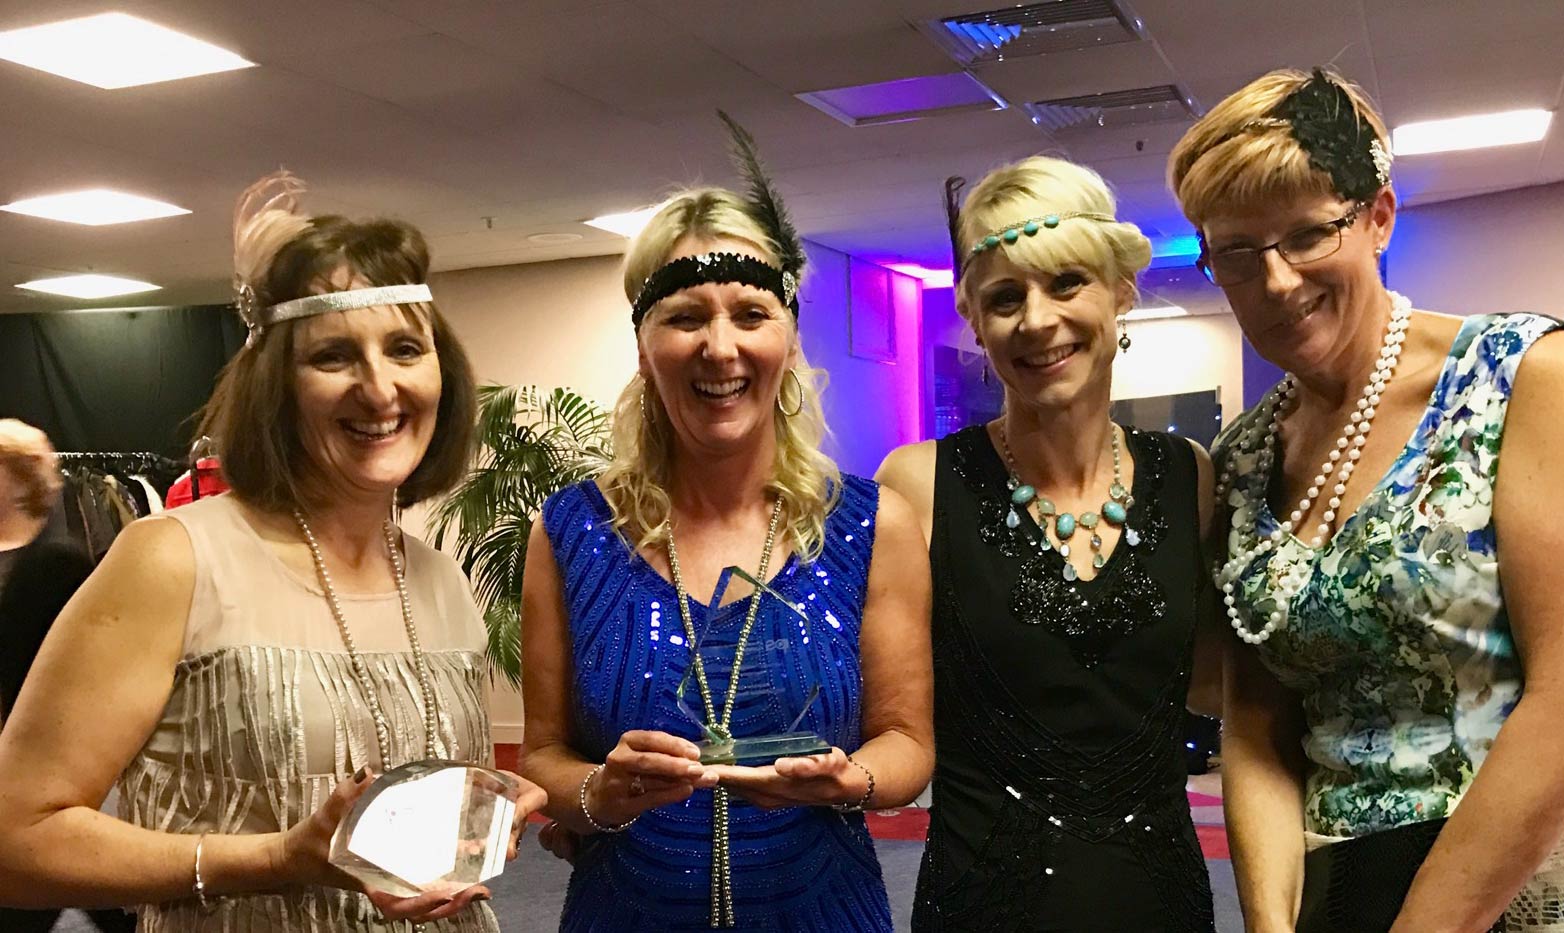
{"x":115,"y":380}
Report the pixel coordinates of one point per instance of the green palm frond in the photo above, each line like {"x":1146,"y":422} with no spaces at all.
{"x":531,"y":444}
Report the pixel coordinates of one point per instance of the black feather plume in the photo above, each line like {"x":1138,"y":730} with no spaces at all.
{"x":768,"y":207}
{"x":953,"y":188}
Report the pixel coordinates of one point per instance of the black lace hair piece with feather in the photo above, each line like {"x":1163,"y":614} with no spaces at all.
{"x":954,"y":185}
{"x":768,"y":207}
{"x":1321,"y":117}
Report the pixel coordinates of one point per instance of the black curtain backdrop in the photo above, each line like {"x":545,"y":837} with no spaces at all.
{"x":115,"y":380}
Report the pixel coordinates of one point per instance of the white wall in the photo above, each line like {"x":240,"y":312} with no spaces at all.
{"x":1492,"y":253}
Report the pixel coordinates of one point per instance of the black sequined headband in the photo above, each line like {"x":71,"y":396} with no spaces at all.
{"x":690,"y":271}
{"x":1339,"y":142}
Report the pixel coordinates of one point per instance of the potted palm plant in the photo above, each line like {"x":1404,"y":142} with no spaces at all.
{"x":531,"y":443}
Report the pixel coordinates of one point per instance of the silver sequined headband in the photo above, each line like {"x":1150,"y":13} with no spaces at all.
{"x":257,"y":318}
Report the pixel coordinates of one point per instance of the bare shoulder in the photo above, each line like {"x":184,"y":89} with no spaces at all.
{"x":156,"y":544}
{"x":895,"y":514}
{"x":909,"y":471}
{"x":908,"y":466}
{"x":1539,"y":383}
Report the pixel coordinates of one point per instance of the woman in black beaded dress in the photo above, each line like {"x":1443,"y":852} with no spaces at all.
{"x":1068,"y":582}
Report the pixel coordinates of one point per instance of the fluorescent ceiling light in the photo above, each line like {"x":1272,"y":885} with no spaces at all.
{"x":1481,"y":131}
{"x":94,"y":207}
{"x":113,"y":50}
{"x":627,"y":224}
{"x":89,"y":286}
{"x":932,"y":278}
{"x":1156,"y":314}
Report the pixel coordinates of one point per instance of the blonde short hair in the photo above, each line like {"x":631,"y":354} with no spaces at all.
{"x":1036,"y":187}
{"x":636,"y":481}
{"x":1238,"y":155}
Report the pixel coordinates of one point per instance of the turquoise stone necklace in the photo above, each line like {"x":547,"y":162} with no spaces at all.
{"x":1115,"y":509}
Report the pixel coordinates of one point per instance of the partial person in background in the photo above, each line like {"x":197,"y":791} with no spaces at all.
{"x":244,"y":665}
{"x":716,"y":445}
{"x":1069,"y":587}
{"x":1392,"y":742}
{"x":42,"y":576}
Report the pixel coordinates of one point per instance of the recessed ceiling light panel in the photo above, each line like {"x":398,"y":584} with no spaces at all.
{"x":626,"y":224}
{"x":94,"y":207}
{"x":89,"y":286}
{"x":1480,"y":131}
{"x":114,"y":50}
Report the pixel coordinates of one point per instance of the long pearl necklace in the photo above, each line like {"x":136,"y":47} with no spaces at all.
{"x":721,"y":865}
{"x":1115,"y":509}
{"x":360,"y":669}
{"x":1343,"y":459}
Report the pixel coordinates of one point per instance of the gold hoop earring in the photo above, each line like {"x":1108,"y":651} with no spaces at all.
{"x":782,"y":390}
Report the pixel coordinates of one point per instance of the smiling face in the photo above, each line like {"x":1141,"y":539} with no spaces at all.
{"x":1306,"y":318}
{"x":1051,"y":338}
{"x":715,"y":355}
{"x":367,"y":386}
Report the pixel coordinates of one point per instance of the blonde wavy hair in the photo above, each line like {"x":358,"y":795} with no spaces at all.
{"x":807,"y":482}
{"x":1035,"y":187}
{"x":1237,"y":155}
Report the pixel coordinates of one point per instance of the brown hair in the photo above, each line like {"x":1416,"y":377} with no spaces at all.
{"x":253,"y":413}
{"x":1239,"y":155}
{"x":26,"y":455}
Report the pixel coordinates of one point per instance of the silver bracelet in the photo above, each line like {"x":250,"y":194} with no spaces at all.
{"x":200,"y":884}
{"x":600,"y":827}
{"x":862,"y":803}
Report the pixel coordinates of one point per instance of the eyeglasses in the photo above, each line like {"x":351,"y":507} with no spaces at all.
{"x":1311,"y":244}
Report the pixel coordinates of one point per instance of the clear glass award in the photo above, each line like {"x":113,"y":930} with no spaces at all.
{"x":428,"y":826}
{"x":773,"y":690}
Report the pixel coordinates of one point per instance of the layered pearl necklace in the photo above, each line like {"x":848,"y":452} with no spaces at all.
{"x":360,"y":669}
{"x":1341,"y":462}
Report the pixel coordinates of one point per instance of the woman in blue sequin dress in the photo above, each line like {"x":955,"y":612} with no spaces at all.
{"x":717,"y":464}
{"x":1391,"y":745}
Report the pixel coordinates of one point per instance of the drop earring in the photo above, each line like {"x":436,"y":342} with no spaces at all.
{"x":1124,"y":336}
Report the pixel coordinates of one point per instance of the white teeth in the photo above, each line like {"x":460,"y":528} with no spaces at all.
{"x":721,"y":388}
{"x":375,"y":428}
{"x":1051,"y":357}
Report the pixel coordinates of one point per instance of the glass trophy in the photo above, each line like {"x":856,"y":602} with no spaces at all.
{"x":773,"y":663}
{"x":428,"y":826}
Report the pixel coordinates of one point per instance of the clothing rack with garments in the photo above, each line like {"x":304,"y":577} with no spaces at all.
{"x":107,"y":490}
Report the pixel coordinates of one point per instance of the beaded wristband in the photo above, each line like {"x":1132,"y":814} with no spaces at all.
{"x":862,"y":803}
{"x":200,"y":885}
{"x":600,"y":827}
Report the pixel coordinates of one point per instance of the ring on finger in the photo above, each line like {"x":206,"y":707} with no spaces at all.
{"x":636,"y":787}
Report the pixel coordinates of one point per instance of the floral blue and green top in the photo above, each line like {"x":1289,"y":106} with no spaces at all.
{"x":1398,"y":641}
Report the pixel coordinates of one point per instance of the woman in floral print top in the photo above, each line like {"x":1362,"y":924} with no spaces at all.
{"x":1393,"y":675}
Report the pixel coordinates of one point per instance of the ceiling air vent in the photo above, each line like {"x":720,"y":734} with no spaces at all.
{"x":1035,"y":29}
{"x":1114,"y":108}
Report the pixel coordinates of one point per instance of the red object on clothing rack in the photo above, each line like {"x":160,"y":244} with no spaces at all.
{"x":211,"y":483}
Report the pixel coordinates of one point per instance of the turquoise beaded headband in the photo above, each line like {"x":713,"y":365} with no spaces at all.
{"x":1030,"y":226}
